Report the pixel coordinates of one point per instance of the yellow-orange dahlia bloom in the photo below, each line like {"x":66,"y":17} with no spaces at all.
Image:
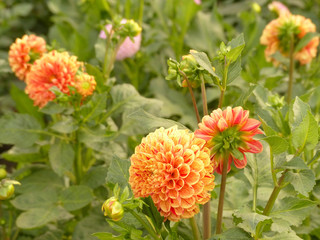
{"x":85,"y":84}
{"x":277,"y":36}
{"x":173,"y":167}
{"x":229,"y":134}
{"x":53,"y":69}
{"x":23,"y":52}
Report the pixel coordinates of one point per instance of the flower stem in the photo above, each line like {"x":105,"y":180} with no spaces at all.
{"x":78,"y":162}
{"x":145,"y":225}
{"x":195,"y":230}
{"x":255,"y":186}
{"x":221,"y":195}
{"x":274,"y":177}
{"x":140,"y":17}
{"x":291,"y":68}
{"x":192,"y":96}
{"x":221,"y":98}
{"x":204,"y":96}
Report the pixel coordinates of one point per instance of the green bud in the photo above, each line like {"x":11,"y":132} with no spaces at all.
{"x":113,"y":209}
{"x":256,"y":7}
{"x":3,"y":173}
{"x":132,"y":28}
{"x":7,"y":188}
{"x":275,"y":101}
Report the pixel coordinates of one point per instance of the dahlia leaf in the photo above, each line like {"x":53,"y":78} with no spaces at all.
{"x":279,"y":225}
{"x":118,"y":172}
{"x":21,"y":130}
{"x":204,"y":62}
{"x":95,"y":177}
{"x":298,"y":110}
{"x":241,"y":101}
{"x":233,"y":233}
{"x":107,"y":236}
{"x":293,"y":210}
{"x":76,"y":197}
{"x":277,"y":144}
{"x":302,"y":181}
{"x":152,"y":212}
{"x":291,"y":235}
{"x":305,"y":40}
{"x":61,"y":157}
{"x":66,"y":125}
{"x":293,"y":163}
{"x":95,"y":107}
{"x":234,"y":71}
{"x":305,"y":136}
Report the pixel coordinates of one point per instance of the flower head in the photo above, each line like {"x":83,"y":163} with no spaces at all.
{"x":113,"y":209}
{"x":129,"y":47}
{"x":278,"y":34}
{"x":198,"y":2}
{"x":85,"y":84}
{"x":279,"y":8}
{"x":229,"y":134}
{"x":53,"y":69}
{"x":173,"y":167}
{"x":23,"y":52}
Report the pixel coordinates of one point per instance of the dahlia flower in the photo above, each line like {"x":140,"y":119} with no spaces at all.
{"x":279,"y":8}
{"x":173,"y":167}
{"x":278,"y":33}
{"x":23,"y":52}
{"x":198,"y":2}
{"x":53,"y":69}
{"x":85,"y":84}
{"x":128,"y":48}
{"x":229,"y":134}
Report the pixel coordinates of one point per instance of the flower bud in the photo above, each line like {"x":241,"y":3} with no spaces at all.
{"x":256,"y":7}
{"x":7,"y":188}
{"x":113,"y":209}
{"x":132,"y":28}
{"x":275,"y":101}
{"x":3,"y":173}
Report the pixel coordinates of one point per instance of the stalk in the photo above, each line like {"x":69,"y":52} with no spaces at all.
{"x":221,"y":195}
{"x":255,"y":186}
{"x":274,"y":177}
{"x":78,"y":161}
{"x":291,"y":68}
{"x":221,"y":98}
{"x":224,"y":82}
{"x":195,"y":230}
{"x":204,"y":96}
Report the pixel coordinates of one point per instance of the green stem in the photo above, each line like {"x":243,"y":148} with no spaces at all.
{"x":204,"y":96}
{"x":291,"y":68}
{"x":273,"y":173}
{"x":195,"y":230}
{"x":221,"y":98}
{"x":255,"y":186}
{"x":140,"y":17}
{"x":274,"y":194}
{"x":224,"y":82}
{"x":106,"y":55}
{"x":192,"y":96}
{"x":78,"y":162}
{"x":221,"y":195}
{"x":145,"y":225}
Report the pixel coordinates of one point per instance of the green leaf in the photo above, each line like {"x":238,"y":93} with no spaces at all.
{"x":95,"y":177}
{"x":61,"y":157}
{"x":98,"y":76}
{"x":283,"y":236}
{"x":298,"y":110}
{"x":37,"y":199}
{"x":233,"y":234}
{"x":40,"y":180}
{"x":55,"y":234}
{"x":250,"y":220}
{"x":66,"y":125}
{"x":107,"y":236}
{"x":54,"y":108}
{"x":294,"y":163}
{"x":100,"y":49}
{"x":21,"y":9}
{"x":305,"y":40}
{"x":24,"y":155}
{"x":19,"y":129}
{"x":234,"y":71}
{"x":204,"y":62}
{"x":237,"y":45}
{"x":269,"y":131}
{"x":277,"y":144}
{"x":152,"y":212}
{"x":76,"y":197}
{"x":38,"y":217}
{"x":95,"y":107}
{"x":280,"y":225}
{"x":305,"y":136}
{"x":24,"y":104}
{"x":118,"y":171}
{"x":303,"y":181}
{"x":293,"y":210}
{"x":241,"y":101}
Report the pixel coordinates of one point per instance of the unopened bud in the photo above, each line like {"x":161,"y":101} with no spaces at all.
{"x":113,"y":209}
{"x":132,"y":28}
{"x":256,"y":7}
{"x":3,"y":173}
{"x":275,"y":101}
{"x":7,"y":188}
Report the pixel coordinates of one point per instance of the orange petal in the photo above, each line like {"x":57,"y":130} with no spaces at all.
{"x":186,"y":192}
{"x":192,"y":178}
{"x":184,"y":170}
{"x":240,"y":163}
{"x":250,"y":125}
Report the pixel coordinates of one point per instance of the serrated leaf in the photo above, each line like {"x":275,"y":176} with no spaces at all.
{"x":61,"y":157}
{"x":280,"y":225}
{"x":305,"y":136}
{"x":277,"y":144}
{"x":305,"y":40}
{"x":204,"y":62}
{"x":38,"y":217}
{"x":66,"y":125}
{"x":269,"y":131}
{"x":95,"y":107}
{"x":298,"y":110}
{"x":17,"y":128}
{"x":234,"y":71}
{"x":241,"y":101}
{"x":294,"y":163}
{"x":118,"y":171}
{"x":302,"y":181}
{"x":293,"y":210}
{"x":107,"y":236}
{"x":283,"y":236}
{"x":95,"y":177}
{"x":233,"y":234}
{"x":76,"y":197}
{"x":151,"y":211}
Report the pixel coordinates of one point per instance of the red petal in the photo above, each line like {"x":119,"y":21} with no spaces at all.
{"x":250,"y":125}
{"x":237,"y":115}
{"x":254,"y":146}
{"x":240,"y":163}
{"x":222,"y":124}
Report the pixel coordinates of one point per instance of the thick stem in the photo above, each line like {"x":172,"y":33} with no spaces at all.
{"x":140,"y":17}
{"x":274,"y":195}
{"x":204,"y":96}
{"x":145,"y":225}
{"x":274,"y":177}
{"x":291,"y":68}
{"x":221,"y":98}
{"x":221,"y":195}
{"x":195,"y":229}
{"x":78,"y":161}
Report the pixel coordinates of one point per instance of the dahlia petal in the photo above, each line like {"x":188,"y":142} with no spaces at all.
{"x":198,"y":187}
{"x":254,"y":146}
{"x":184,"y":170}
{"x":188,"y":156}
{"x":222,"y":124}
{"x":237,"y":115}
{"x":179,"y":184}
{"x":197,"y":165}
{"x":250,"y":125}
{"x":165,"y":206}
{"x":192,"y":178}
{"x":240,"y":163}
{"x":187,"y":202}
{"x":186,"y":192}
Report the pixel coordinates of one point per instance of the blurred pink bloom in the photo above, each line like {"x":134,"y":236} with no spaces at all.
{"x":128,"y":48}
{"x":279,"y":8}
{"x":198,"y":2}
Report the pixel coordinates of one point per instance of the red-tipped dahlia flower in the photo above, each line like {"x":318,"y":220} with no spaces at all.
{"x":23,"y":52}
{"x":173,"y":167}
{"x":53,"y":69}
{"x":85,"y":84}
{"x":278,"y":33}
{"x":229,"y":134}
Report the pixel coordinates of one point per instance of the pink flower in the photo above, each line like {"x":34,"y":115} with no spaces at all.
{"x":198,"y":2}
{"x":229,"y":134}
{"x":279,"y":8}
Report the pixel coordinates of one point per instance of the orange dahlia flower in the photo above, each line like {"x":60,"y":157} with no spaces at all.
{"x":278,"y":33}
{"x":85,"y":84}
{"x":53,"y":69}
{"x":23,"y":52}
{"x":229,"y":134}
{"x":173,"y":167}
